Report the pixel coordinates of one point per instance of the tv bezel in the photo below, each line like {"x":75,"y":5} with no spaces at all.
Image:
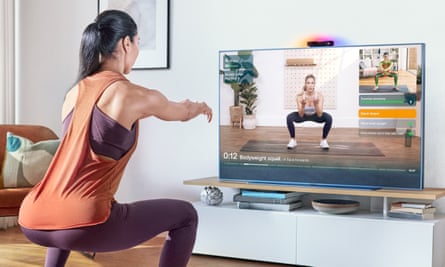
{"x":375,"y":179}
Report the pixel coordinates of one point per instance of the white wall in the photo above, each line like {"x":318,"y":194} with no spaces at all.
{"x":49,"y":35}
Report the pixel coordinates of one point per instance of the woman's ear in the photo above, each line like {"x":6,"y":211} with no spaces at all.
{"x":126,"y":43}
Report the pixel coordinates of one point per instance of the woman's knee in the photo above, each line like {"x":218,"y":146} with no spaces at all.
{"x":327,"y":118}
{"x":289,"y":118}
{"x":189,"y":211}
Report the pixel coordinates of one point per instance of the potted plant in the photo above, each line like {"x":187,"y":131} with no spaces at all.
{"x":419,"y":82}
{"x":236,"y":111}
{"x":240,"y":74}
{"x":249,"y":97}
{"x":419,"y":75}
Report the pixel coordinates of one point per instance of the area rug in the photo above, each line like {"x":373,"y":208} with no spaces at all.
{"x":383,"y":89}
{"x":336,"y":148}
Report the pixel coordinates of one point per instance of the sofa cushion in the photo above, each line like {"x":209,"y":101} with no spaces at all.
{"x":26,"y":162}
{"x":11,"y":198}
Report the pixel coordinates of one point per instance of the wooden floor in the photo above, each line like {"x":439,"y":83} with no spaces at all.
{"x":17,"y":251}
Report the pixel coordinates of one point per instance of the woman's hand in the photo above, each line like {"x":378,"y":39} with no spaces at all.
{"x":205,"y":110}
{"x":303,"y":102}
{"x":208,"y":112}
{"x":193,"y":109}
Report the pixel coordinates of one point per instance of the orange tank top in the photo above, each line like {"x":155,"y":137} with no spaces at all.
{"x":79,"y":186}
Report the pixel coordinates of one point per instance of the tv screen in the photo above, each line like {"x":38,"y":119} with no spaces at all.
{"x":340,"y":116}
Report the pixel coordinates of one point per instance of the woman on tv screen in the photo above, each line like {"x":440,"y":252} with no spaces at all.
{"x":309,"y":108}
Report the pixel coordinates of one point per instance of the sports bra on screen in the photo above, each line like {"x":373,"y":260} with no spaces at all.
{"x":309,"y":110}
{"x":107,"y":136}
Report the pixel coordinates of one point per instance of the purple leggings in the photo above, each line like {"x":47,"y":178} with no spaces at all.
{"x":127,"y":226}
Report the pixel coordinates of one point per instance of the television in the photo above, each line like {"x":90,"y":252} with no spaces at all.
{"x":375,"y":138}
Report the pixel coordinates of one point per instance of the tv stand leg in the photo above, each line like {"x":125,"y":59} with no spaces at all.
{"x":385,"y":206}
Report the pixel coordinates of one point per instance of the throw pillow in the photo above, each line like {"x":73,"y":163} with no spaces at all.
{"x":26,"y":162}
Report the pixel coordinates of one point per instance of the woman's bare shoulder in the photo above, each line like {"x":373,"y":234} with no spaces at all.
{"x":128,"y":88}
{"x":131,"y":98}
{"x":69,"y":101}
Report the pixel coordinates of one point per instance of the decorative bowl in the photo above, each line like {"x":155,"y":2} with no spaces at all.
{"x":335,"y":206}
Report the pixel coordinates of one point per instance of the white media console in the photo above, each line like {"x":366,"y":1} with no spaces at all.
{"x":307,"y":237}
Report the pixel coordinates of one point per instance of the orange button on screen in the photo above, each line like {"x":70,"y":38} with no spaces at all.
{"x":387,"y":113}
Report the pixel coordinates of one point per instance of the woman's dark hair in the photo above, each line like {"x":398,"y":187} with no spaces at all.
{"x":99,"y":39}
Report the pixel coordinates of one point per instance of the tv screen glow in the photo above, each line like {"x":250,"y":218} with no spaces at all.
{"x":376,"y":137}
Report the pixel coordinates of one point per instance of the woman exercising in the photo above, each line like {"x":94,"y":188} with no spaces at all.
{"x":309,"y":108}
{"x":386,"y":68}
{"x":73,"y":207}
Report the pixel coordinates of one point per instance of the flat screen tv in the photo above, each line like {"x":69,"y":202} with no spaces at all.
{"x":365,"y":101}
